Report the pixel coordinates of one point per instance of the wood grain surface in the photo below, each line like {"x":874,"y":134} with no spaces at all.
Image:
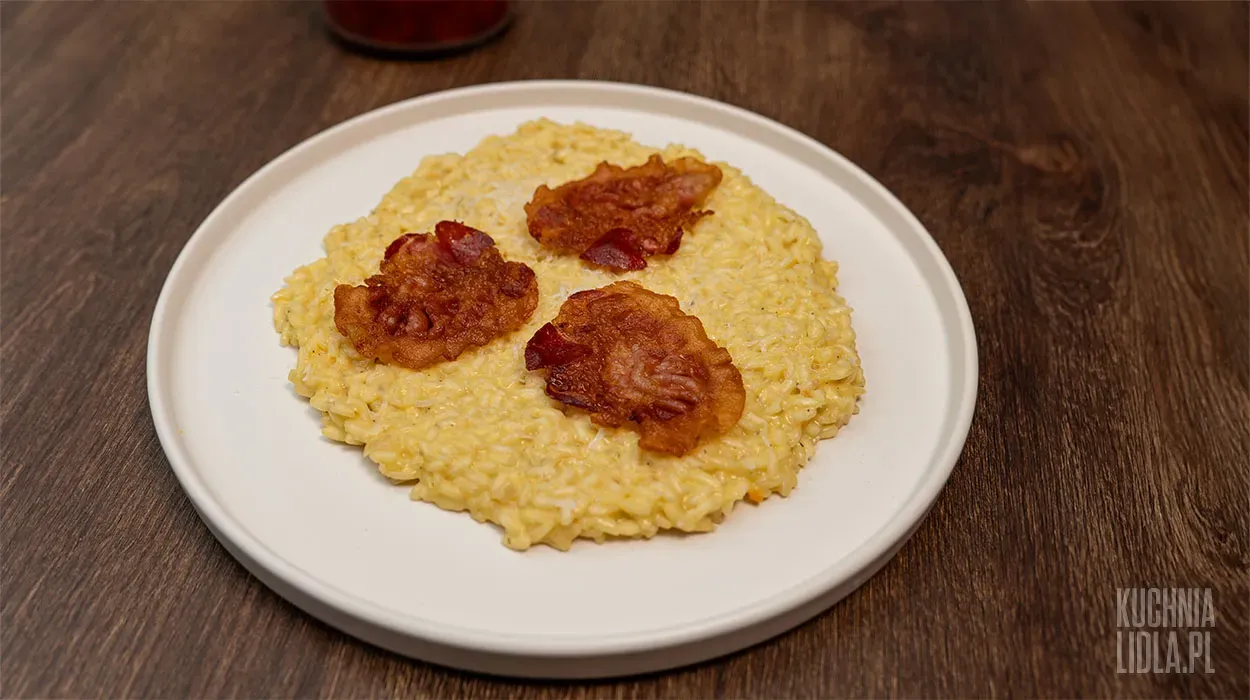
{"x":1084,"y":168}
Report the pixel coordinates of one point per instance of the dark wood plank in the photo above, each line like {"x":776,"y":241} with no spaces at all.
{"x":1084,"y":167}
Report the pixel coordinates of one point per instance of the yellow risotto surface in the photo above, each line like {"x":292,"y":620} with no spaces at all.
{"x":478,"y":434}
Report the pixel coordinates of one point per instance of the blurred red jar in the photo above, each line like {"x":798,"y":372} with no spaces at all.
{"x":416,"y":27}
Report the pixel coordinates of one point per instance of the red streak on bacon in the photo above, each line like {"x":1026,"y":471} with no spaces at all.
{"x":549,"y":348}
{"x":616,"y":249}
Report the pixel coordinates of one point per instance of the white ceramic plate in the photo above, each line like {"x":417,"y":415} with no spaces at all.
{"x":316,"y":523}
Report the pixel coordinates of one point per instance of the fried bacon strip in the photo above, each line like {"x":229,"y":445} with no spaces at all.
{"x":434,"y":297}
{"x":625,"y":353}
{"x":618,"y":217}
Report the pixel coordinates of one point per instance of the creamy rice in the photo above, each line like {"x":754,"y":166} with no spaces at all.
{"x":479,"y":435}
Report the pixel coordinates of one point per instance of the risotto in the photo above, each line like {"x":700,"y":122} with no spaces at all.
{"x":479,"y":434}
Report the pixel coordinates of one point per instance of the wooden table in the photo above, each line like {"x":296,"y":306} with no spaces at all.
{"x":1083,"y":167}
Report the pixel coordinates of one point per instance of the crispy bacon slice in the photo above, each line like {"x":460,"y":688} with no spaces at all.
{"x":627,"y":354}
{"x":434,"y":297}
{"x":617,"y":217}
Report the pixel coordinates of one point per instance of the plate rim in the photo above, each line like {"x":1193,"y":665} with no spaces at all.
{"x":402,"y":631}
